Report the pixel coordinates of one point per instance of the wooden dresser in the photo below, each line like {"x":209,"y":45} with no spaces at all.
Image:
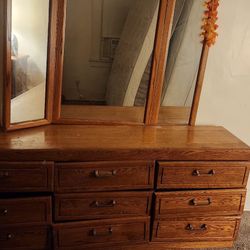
{"x":73,"y":187}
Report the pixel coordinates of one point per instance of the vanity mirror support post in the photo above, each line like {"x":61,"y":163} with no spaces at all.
{"x":59,"y":57}
{"x":209,"y":35}
{"x":7,"y":64}
{"x":51,"y":47}
{"x":199,"y":83}
{"x":161,"y":52}
{"x":52,"y":50}
{"x":159,"y":61}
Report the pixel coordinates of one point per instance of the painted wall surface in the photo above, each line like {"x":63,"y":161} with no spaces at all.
{"x":80,"y":80}
{"x":225,"y":98}
{"x":30,"y":20}
{"x":85,"y":73}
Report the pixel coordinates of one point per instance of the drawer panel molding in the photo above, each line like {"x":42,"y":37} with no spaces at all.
{"x":196,"y":229}
{"x":199,"y":203}
{"x":91,"y":234}
{"x":26,"y":176}
{"x":25,"y":238}
{"x":101,"y":205}
{"x":101,"y":176}
{"x":185,"y":175}
{"x":25,"y":211}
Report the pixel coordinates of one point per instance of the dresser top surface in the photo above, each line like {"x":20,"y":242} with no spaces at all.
{"x":78,"y":142}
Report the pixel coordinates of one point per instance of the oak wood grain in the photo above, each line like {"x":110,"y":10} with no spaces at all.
{"x":184,"y":175}
{"x":7,"y":67}
{"x":87,"y":114}
{"x":174,"y":115}
{"x":91,"y":234}
{"x":25,"y":237}
{"x":111,"y":115}
{"x":199,"y":83}
{"x":199,"y":203}
{"x":196,"y":229}
{"x":101,"y":205}
{"x":101,"y":176}
{"x":60,"y":41}
{"x":163,"y":33}
{"x":100,"y":143}
{"x":26,"y":176}
{"x":34,"y":210}
{"x":167,"y":246}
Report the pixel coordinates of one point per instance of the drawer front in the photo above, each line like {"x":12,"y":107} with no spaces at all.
{"x":91,"y":176}
{"x":199,"y":229}
{"x":26,"y":177}
{"x":101,"y":233}
{"x":24,"y":238}
{"x":26,"y":210}
{"x":199,"y":203}
{"x":182,"y":175}
{"x":101,"y":205}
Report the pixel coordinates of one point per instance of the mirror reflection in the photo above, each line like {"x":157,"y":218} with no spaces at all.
{"x":107,"y":58}
{"x":182,"y":62}
{"x":29,"y":41}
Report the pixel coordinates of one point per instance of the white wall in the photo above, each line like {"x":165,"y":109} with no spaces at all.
{"x":225,"y":98}
{"x":30,"y":20}
{"x":82,"y":62}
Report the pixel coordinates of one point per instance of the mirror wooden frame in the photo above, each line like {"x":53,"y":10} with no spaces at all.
{"x":55,"y":70}
{"x":162,"y":40}
{"x":8,"y":70}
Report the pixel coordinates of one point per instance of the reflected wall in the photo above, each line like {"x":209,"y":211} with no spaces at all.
{"x":182,"y":62}
{"x":107,"y":58}
{"x":29,"y":49}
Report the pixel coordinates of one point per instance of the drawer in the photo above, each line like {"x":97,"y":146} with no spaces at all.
{"x":100,"y":176}
{"x":196,"y":229}
{"x":25,"y":210}
{"x":182,"y":175}
{"x":101,"y":233}
{"x":199,"y":203}
{"x":101,"y":205}
{"x":26,"y":176}
{"x":24,"y":238}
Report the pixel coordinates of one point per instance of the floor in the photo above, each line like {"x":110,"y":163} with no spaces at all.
{"x":243,"y":240}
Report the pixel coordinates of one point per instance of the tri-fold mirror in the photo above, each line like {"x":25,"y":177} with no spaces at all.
{"x":107,"y":58}
{"x":28,"y":63}
{"x":29,"y":42}
{"x":103,"y":61}
{"x":183,"y":61}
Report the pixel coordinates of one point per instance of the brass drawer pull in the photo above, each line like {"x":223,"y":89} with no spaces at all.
{"x":103,"y":204}
{"x":194,"y":202}
{"x":104,"y":174}
{"x":4,"y":211}
{"x":4,"y":174}
{"x":190,"y":227}
{"x":9,"y":236}
{"x":96,"y":234}
{"x":196,"y":172}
